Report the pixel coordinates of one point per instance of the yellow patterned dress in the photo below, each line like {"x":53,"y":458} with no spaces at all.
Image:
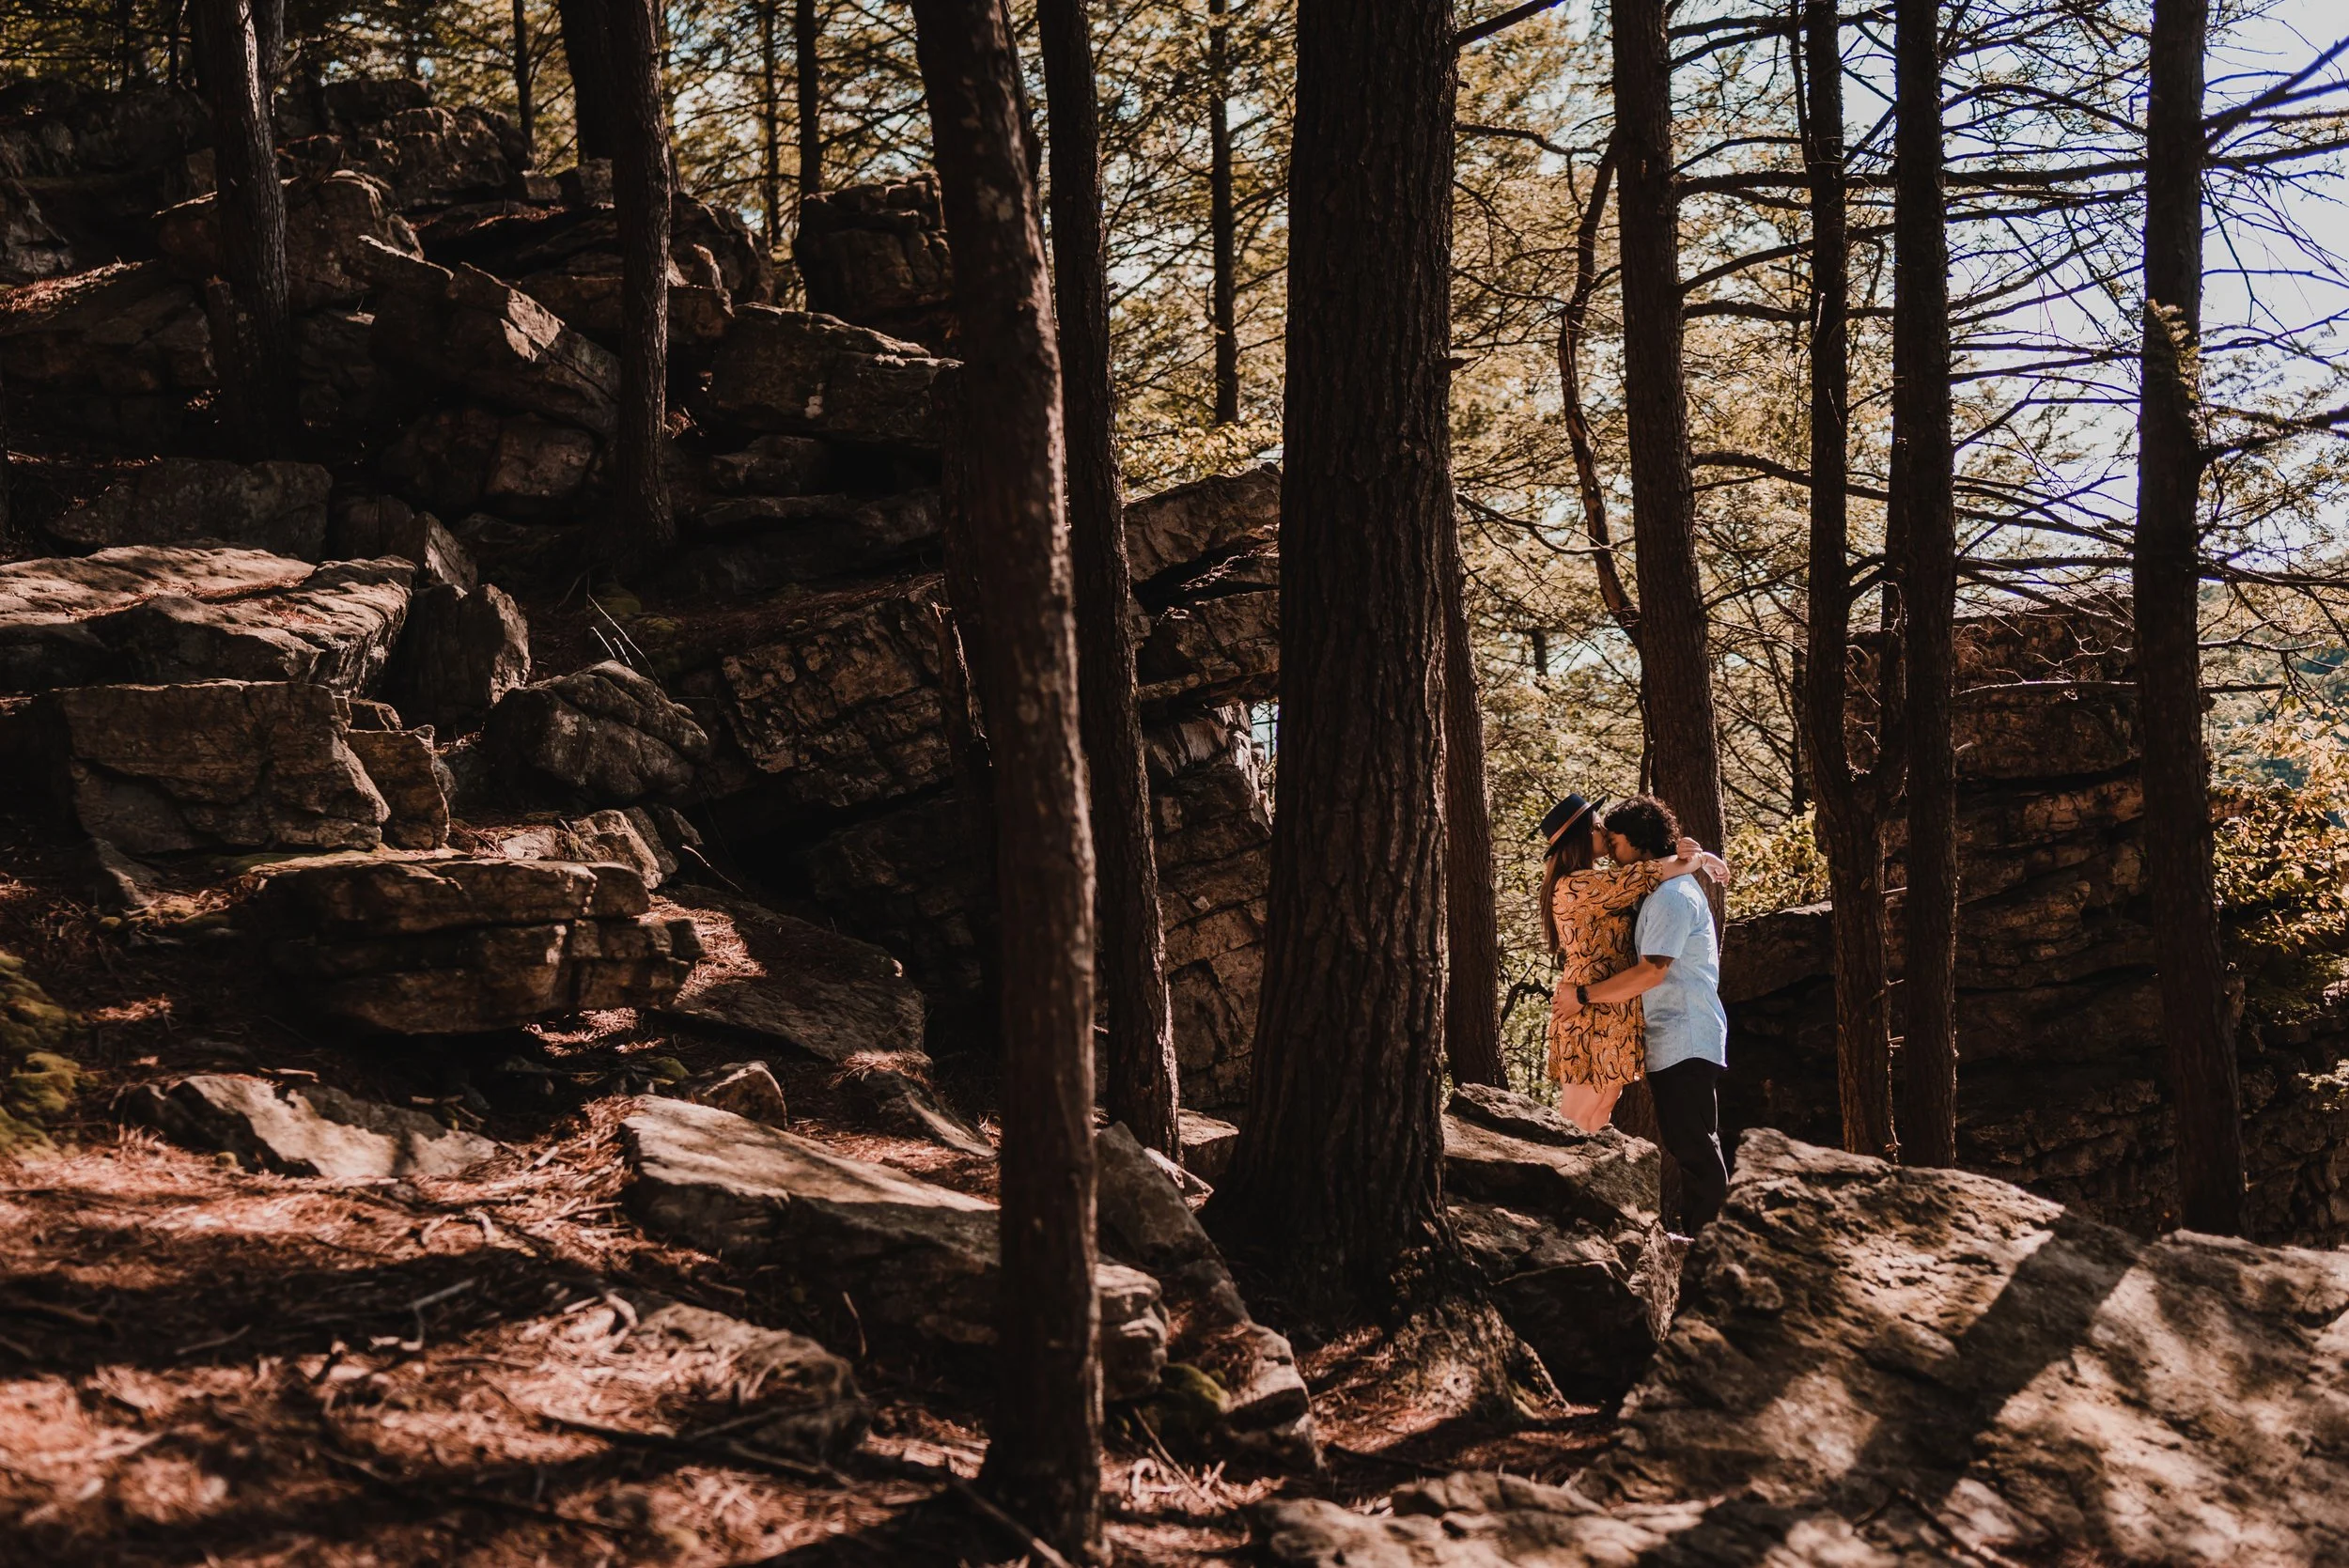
{"x":1603,"y":1044}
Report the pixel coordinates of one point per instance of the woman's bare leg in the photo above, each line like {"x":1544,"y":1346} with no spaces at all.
{"x":1588,"y":1105}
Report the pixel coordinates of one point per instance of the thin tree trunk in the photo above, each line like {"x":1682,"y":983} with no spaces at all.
{"x":2203,"y":1073}
{"x":1849,"y":804}
{"x":1573,"y":324}
{"x":643,"y":529}
{"x":1140,"y":1076}
{"x":1223,"y":226}
{"x":769,"y":128}
{"x":809,"y":83}
{"x":525,"y":107}
{"x":1471,"y":1025}
{"x":1044,"y":1461}
{"x":250,"y":215}
{"x":1922,"y":494}
{"x":595,"y":90}
{"x":1337,"y":1171}
{"x":269,"y":43}
{"x":1675,"y":677}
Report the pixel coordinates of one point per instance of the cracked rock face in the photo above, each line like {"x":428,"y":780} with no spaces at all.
{"x":804,"y":374}
{"x":462,"y":651}
{"x":215,"y":764}
{"x":604,"y":734}
{"x":325,"y":216}
{"x":462,"y":946}
{"x":920,"y":1262}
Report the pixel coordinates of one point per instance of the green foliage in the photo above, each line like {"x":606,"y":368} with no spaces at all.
{"x":2282,"y":866}
{"x":39,"y":1080}
{"x":1777,"y":867}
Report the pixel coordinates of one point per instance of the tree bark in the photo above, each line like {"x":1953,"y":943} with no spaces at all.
{"x":251,"y":216}
{"x":595,"y":89}
{"x":810,"y":84}
{"x":1921,"y":494}
{"x":1223,"y":224}
{"x":1337,"y":1171}
{"x":1140,"y":1085}
{"x":1573,"y":323}
{"x":770,"y":129}
{"x":2203,"y":1084}
{"x":1675,"y":676}
{"x":1849,"y":803}
{"x":643,"y":528}
{"x":525,"y":106}
{"x":1044,"y":1461}
{"x":1471,"y":1025}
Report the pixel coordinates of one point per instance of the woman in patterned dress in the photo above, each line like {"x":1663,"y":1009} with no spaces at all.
{"x":1587,"y":912}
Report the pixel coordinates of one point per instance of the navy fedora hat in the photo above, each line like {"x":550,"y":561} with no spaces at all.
{"x":1565,"y":815}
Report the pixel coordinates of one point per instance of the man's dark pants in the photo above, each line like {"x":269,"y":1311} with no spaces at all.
{"x":1689,"y":1123}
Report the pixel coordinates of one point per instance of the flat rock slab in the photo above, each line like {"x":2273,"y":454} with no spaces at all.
{"x":1880,"y":1365}
{"x":919,"y":1262}
{"x":276,"y":507}
{"x":1504,"y":1148}
{"x":187,"y":612}
{"x":806,"y":374}
{"x":831,"y":996}
{"x":311,"y":1130}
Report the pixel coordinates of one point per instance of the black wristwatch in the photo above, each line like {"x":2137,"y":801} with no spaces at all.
{"x":1582,"y":995}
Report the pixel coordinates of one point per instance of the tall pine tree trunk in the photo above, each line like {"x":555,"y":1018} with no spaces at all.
{"x":525,"y":106}
{"x":1140,"y":1076}
{"x":1044,"y":1461}
{"x":1675,"y":676}
{"x":259,"y":354}
{"x":1223,"y":223}
{"x":810,"y":84}
{"x":1849,"y":804}
{"x":1337,"y":1171}
{"x":1472,"y":1026}
{"x":644,"y":528}
{"x":770,"y":131}
{"x":1921,"y":494}
{"x":2204,"y":1086}
{"x":595,"y":91}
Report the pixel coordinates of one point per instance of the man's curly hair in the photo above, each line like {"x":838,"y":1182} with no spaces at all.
{"x":1648,"y":823}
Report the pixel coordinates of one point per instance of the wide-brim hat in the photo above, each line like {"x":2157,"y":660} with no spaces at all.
{"x":1562,"y":816}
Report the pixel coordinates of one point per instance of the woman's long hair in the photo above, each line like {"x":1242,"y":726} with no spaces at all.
{"x":1570,"y":854}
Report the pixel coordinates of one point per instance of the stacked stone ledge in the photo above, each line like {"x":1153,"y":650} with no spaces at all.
{"x":456,"y":947}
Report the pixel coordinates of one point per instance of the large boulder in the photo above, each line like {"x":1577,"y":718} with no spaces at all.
{"x":1880,"y":1365}
{"x":276,"y":507}
{"x":113,"y":354}
{"x":326,"y":216}
{"x":335,"y":627}
{"x":919,"y":1263}
{"x":828,"y":995}
{"x":604,"y":734}
{"x":842,"y":704}
{"x":460,"y":654}
{"x":525,"y":245}
{"x":215,"y":764}
{"x":466,"y":330}
{"x":310,"y":1130}
{"x":414,"y":785}
{"x":449,"y":947}
{"x":804,"y":374}
{"x":1267,"y":1413}
{"x":877,"y":255}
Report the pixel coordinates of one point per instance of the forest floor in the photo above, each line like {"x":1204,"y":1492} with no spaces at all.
{"x":200,"y":1365}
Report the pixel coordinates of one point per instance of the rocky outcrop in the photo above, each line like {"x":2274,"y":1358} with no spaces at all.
{"x":426,"y":156}
{"x":47,"y":606}
{"x":754,"y":544}
{"x":454,"y":947}
{"x":1220,"y":641}
{"x":460,"y":653}
{"x":309,"y":1131}
{"x":804,"y":374}
{"x":709,"y":248}
{"x":1266,"y":1413}
{"x":1561,"y":1226}
{"x":1213,"y":818}
{"x":465,"y":330}
{"x":215,"y":764}
{"x":877,"y":255}
{"x":1877,"y":1365}
{"x":1188,"y":531}
{"x":919,"y":1263}
{"x":413,"y":783}
{"x":276,"y":507}
{"x":337,"y":628}
{"x":326,"y":216}
{"x":817,"y":991}
{"x":604,"y":734}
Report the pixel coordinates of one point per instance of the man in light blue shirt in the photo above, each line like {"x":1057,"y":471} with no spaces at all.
{"x":1678,"y":982}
